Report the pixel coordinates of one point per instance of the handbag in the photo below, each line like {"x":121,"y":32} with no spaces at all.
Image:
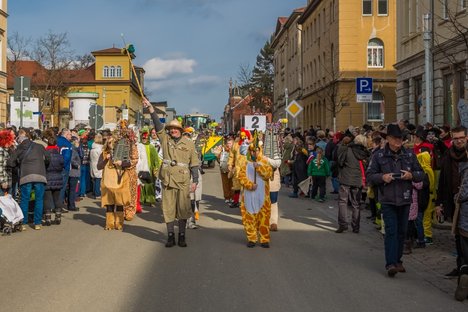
{"x":145,"y":177}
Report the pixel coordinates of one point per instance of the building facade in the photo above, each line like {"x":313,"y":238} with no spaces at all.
{"x":109,"y":82}
{"x":286,"y":43}
{"x":341,"y":41}
{"x":447,"y":28}
{"x":3,"y":62}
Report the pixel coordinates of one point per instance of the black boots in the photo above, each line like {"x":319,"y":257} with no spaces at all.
{"x":462,"y":288}
{"x":170,"y":240}
{"x":181,"y":241}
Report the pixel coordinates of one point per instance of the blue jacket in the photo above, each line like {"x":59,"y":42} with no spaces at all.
{"x":65,"y":148}
{"x":398,"y":192}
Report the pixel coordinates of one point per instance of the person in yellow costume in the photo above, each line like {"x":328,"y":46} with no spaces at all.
{"x":424,"y":160}
{"x":254,"y":176}
{"x":236,"y":161}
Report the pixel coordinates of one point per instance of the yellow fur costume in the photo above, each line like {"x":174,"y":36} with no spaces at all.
{"x":255,"y":204}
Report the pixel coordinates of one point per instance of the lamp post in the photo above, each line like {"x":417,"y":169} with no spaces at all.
{"x":428,"y":65}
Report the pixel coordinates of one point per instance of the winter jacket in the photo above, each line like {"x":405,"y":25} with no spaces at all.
{"x":316,"y":170}
{"x":96,"y":151}
{"x":65,"y":148}
{"x":54,"y":169}
{"x":461,"y":219}
{"x":75,"y":163}
{"x":300,"y":166}
{"x":348,"y":158}
{"x":288,"y":150}
{"x":31,"y":158}
{"x":449,"y":179}
{"x":398,"y":192}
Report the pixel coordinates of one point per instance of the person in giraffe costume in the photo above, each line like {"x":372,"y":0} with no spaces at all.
{"x":255,"y":205}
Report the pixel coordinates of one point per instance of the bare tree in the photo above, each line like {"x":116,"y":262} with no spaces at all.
{"x":330,"y":91}
{"x":244,"y":76}
{"x":83,"y":61}
{"x":52,"y":51}
{"x":18,"y":50}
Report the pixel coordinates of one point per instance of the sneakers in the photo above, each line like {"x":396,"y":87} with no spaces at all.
{"x":400,"y":268}
{"x":451,"y":274}
{"x":462,"y":289}
{"x":321,"y":200}
{"x":38,"y":227}
{"x":392,"y":270}
{"x":341,"y":229}
{"x":428,"y":240}
{"x":23,"y":227}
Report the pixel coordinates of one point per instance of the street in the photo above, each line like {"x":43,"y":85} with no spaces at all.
{"x":78,"y":266}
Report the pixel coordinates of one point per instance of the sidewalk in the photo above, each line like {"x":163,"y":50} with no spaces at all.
{"x":431,"y":263}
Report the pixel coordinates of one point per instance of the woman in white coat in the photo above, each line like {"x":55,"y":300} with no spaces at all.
{"x":96,"y":174}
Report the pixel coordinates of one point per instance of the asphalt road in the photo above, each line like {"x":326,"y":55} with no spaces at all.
{"x":78,"y":266}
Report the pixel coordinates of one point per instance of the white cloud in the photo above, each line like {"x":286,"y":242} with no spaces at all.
{"x":158,"y":68}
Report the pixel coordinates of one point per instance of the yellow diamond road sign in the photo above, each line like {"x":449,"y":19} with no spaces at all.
{"x":294,"y":109}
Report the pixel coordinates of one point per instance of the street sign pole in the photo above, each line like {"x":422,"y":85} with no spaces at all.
{"x":95,"y":114}
{"x":21,"y":102}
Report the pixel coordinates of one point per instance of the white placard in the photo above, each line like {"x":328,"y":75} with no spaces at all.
{"x":30,"y":113}
{"x":364,"y":98}
{"x":255,"y":122}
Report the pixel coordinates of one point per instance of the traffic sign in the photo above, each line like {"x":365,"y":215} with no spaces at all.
{"x":255,"y":122}
{"x":363,"y":85}
{"x":364,"y":89}
{"x":294,"y":109}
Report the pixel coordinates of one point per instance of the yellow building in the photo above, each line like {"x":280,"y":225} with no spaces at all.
{"x":448,"y":48}
{"x":3,"y":62}
{"x":109,"y":82}
{"x":112,"y":81}
{"x":340,"y":41}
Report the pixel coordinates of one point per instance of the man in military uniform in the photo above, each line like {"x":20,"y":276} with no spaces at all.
{"x":180,"y":162}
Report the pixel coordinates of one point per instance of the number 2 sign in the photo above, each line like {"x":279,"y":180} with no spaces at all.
{"x":255,"y":122}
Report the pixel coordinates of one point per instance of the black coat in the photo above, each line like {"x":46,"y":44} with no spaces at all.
{"x":31,"y":158}
{"x":54,"y":170}
{"x":398,"y":192}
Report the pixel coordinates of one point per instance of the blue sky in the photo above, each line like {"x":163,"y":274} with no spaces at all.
{"x":189,"y":48}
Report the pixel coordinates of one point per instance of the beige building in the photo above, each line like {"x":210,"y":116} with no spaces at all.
{"x":340,"y":41}
{"x":449,"y":53}
{"x":3,"y":62}
{"x":287,"y":62}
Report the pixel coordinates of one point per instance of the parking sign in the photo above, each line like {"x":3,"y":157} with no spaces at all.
{"x":364,"y":90}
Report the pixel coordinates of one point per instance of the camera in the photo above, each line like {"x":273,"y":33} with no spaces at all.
{"x":396,"y":175}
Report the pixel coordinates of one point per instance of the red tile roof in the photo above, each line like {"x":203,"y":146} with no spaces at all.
{"x":31,"y":69}
{"x":112,"y":50}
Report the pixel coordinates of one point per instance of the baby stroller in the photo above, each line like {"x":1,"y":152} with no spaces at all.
{"x":11,"y":216}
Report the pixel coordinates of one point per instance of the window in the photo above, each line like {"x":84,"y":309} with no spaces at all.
{"x":366,"y":7}
{"x":383,"y":7}
{"x":118,"y":71}
{"x":376,"y":108}
{"x":112,"y":71}
{"x":463,"y":4}
{"x":375,"y":53}
{"x":105,"y":71}
{"x":444,"y":10}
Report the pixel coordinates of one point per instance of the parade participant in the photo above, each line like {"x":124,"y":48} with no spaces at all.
{"x":195,"y":196}
{"x":96,"y":174}
{"x":275,"y":186}
{"x":119,"y":157}
{"x":223,"y":158}
{"x":392,"y":169}
{"x":147,"y":169}
{"x":254,"y":176}
{"x":130,"y":209}
{"x":288,"y":153}
{"x":157,"y":182}
{"x":237,"y":157}
{"x":180,"y":164}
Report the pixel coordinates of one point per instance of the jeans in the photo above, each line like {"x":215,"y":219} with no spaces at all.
{"x":72,"y":183}
{"x":65,"y":175}
{"x":85,"y":180}
{"x":419,"y":226}
{"x":335,"y":184}
{"x":97,"y":187}
{"x":396,"y":223}
{"x":38,"y":202}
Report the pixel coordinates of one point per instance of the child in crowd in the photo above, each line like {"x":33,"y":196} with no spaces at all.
{"x":319,"y":170}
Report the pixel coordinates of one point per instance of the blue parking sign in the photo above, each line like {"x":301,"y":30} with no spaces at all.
{"x":363,"y":85}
